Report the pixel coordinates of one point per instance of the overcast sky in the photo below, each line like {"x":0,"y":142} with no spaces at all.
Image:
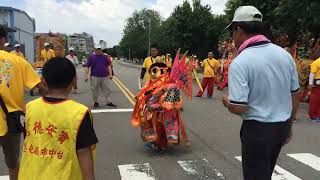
{"x":104,"y":19}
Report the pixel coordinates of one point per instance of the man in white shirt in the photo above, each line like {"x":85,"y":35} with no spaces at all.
{"x":264,"y":90}
{"x":74,"y":59}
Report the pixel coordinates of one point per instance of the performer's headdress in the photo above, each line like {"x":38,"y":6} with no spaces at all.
{"x":181,"y":73}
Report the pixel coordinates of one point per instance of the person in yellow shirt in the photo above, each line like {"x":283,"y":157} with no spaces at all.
{"x":15,"y":75}
{"x":17,"y":51}
{"x":148,"y":62}
{"x":60,"y":140}
{"x":314,"y":85}
{"x":210,"y":66}
{"x":47,"y":53}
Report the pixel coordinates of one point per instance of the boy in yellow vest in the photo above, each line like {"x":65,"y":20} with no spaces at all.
{"x":60,"y":138}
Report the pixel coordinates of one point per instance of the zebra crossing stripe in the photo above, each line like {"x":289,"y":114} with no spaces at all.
{"x":201,"y":170}
{"x":4,"y":178}
{"x":278,"y":173}
{"x":110,"y":110}
{"x":307,"y":159}
{"x":136,"y":172}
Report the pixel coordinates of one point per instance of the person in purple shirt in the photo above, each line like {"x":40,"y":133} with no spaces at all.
{"x":100,"y":70}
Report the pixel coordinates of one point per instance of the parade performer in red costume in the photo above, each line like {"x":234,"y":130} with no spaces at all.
{"x":226,"y":66}
{"x":158,"y":109}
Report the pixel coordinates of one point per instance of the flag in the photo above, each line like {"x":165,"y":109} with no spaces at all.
{"x":182,"y":74}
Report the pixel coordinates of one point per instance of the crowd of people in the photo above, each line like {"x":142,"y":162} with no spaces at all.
{"x":57,"y":131}
{"x":263,"y":88}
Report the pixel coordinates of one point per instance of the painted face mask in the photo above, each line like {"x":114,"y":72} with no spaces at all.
{"x":157,"y":70}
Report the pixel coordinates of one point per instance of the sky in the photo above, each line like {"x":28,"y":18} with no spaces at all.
{"x":104,"y":19}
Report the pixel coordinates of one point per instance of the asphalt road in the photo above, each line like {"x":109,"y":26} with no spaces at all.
{"x":213,"y":131}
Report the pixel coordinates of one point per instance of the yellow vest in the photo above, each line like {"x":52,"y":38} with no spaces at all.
{"x":147,"y":64}
{"x":49,"y":150}
{"x":18,"y":54}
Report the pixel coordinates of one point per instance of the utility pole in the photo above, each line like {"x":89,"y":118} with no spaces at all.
{"x":149,"y":47}
{"x":129,"y":54}
{"x":118,"y":53}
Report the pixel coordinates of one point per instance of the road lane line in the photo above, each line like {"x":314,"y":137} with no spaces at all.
{"x":307,"y":159}
{"x":136,"y":172}
{"x":124,"y":92}
{"x":110,"y":111}
{"x":201,"y":170}
{"x":279,"y":173}
{"x":128,"y":91}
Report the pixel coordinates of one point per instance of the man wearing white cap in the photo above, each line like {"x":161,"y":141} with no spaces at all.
{"x":74,"y":59}
{"x":47,"y":53}
{"x":17,"y":51}
{"x":264,"y":90}
{"x":72,"y":56}
{"x":7,"y":47}
{"x":100,"y":70}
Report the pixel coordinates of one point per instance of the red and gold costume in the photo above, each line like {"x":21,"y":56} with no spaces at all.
{"x":226,"y":66}
{"x":303,"y":68}
{"x":158,"y":109}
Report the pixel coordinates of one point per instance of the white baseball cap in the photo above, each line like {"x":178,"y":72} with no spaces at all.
{"x":246,"y":14}
{"x":17,"y":45}
{"x":6,"y":44}
{"x":71,"y":49}
{"x":46,"y":44}
{"x":98,"y":46}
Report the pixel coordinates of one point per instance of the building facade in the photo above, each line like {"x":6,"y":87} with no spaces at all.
{"x":90,"y":42}
{"x":24,"y":29}
{"x":81,"y":42}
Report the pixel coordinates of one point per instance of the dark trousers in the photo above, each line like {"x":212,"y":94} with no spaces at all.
{"x":261,"y":146}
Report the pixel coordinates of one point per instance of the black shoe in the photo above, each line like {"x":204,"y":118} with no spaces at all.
{"x":31,"y":93}
{"x":95,"y":105}
{"x":111,"y":105}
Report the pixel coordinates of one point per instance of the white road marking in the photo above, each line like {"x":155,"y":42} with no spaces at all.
{"x":202,"y":169}
{"x":136,"y":172}
{"x":186,"y":166}
{"x":4,"y":178}
{"x":307,"y":159}
{"x":111,"y":110}
{"x":279,"y":173}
